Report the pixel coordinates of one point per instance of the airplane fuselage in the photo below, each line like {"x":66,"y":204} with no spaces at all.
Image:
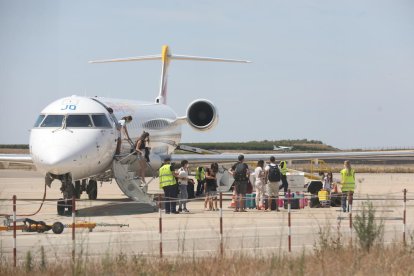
{"x":78,"y":135}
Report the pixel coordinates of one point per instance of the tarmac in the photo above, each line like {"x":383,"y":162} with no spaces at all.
{"x":193,"y":234}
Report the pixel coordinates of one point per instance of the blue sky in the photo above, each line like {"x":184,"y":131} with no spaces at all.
{"x":337,"y":71}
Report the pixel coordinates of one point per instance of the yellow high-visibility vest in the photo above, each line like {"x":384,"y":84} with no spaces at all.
{"x":283,"y":167}
{"x":200,"y":175}
{"x":348,"y":180}
{"x":166,"y":176}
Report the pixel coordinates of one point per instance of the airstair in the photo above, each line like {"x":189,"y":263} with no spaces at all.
{"x":124,"y":169}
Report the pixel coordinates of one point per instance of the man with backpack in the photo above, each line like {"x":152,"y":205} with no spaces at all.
{"x":272,"y":179}
{"x":240,"y":172}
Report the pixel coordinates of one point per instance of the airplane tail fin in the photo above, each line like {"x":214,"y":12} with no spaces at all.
{"x":166,"y":57}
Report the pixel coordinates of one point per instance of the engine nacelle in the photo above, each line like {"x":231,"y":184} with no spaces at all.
{"x":202,"y":115}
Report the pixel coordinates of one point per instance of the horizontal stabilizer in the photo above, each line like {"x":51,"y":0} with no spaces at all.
{"x":172,"y":57}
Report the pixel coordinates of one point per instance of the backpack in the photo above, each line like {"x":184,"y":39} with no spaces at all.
{"x":274,"y":173}
{"x":240,"y":172}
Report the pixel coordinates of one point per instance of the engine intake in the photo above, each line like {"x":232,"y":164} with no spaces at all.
{"x":202,"y":115}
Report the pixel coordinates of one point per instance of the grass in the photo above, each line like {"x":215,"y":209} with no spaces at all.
{"x":380,"y":260}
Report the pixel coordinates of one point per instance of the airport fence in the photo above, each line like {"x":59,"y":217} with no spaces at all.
{"x":281,"y":231}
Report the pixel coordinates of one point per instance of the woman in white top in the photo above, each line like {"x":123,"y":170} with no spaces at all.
{"x":328,"y":181}
{"x":182,"y":184}
{"x":259,"y":184}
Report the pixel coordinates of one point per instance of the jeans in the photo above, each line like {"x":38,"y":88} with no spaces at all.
{"x":183,"y":197}
{"x":200,"y":187}
{"x":170,"y":193}
{"x":344,"y":198}
{"x":284,"y":184}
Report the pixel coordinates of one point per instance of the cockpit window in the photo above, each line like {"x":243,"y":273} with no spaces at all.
{"x":52,"y":121}
{"x":100,"y":120}
{"x":39,"y":120}
{"x":78,"y":121}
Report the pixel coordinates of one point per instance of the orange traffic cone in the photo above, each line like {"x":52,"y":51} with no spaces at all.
{"x":233,"y":200}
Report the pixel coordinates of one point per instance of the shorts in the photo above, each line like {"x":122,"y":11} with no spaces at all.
{"x":211,"y":193}
{"x":241,"y":187}
{"x":272,"y":188}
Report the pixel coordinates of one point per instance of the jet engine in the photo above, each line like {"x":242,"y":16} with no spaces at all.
{"x":202,"y":115}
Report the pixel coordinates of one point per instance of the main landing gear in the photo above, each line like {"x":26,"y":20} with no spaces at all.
{"x":90,"y":187}
{"x":64,"y":205}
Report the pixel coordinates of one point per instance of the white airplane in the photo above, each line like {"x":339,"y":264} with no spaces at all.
{"x":282,"y":148}
{"x":74,"y":139}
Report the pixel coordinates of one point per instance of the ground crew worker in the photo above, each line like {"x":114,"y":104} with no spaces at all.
{"x":200,"y":176}
{"x":348,"y":184}
{"x":169,"y":184}
{"x":283,"y":177}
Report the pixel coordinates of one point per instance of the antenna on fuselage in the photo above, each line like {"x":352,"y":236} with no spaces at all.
{"x":166,"y":57}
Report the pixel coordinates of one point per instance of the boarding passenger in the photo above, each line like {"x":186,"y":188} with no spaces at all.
{"x":182,"y":185}
{"x":200,"y":176}
{"x":259,"y":184}
{"x":123,"y":132}
{"x":141,"y":148}
{"x":272,"y":178}
{"x":241,"y":173}
{"x":283,"y":171}
{"x":169,"y":185}
{"x":211,"y":187}
{"x":328,"y":182}
{"x":348,"y":184}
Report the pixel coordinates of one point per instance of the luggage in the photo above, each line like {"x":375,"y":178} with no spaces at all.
{"x":314,"y":202}
{"x":190,"y":189}
{"x":250,"y":201}
{"x":336,"y":199}
{"x":266,"y":203}
{"x":323,"y":196}
{"x":302,"y":200}
{"x":294,"y":203}
{"x":314,"y":187}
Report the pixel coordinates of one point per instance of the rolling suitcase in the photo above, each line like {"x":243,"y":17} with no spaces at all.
{"x":314,"y":202}
{"x":294,"y":203}
{"x":251,"y":201}
{"x":323,"y":196}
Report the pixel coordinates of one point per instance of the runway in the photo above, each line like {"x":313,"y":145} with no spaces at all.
{"x":196,"y":233}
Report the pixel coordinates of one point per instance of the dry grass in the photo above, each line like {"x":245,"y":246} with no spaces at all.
{"x":395,"y":260}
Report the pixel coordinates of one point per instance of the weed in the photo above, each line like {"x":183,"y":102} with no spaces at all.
{"x":28,"y":265}
{"x":367,"y":229}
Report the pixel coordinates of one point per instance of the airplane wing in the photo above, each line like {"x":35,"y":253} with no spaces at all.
{"x":16,"y":158}
{"x":232,"y":157}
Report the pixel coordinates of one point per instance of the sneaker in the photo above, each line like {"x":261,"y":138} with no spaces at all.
{"x":185,"y":210}
{"x":174,"y":212}
{"x":180,"y":210}
{"x":236,"y":210}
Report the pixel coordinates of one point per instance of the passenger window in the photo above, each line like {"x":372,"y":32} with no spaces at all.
{"x":52,"y":121}
{"x":78,"y":121}
{"x":100,"y":121}
{"x":39,"y":120}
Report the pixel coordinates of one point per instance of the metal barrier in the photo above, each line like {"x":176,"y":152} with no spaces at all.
{"x":221,"y":237}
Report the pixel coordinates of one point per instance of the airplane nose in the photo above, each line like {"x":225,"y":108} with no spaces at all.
{"x":54,"y":158}
{"x":60,"y":152}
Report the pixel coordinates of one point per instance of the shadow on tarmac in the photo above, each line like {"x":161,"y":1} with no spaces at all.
{"x":116,"y":209}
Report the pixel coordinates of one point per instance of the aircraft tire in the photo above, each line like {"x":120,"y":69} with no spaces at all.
{"x":93,"y":190}
{"x":61,"y":207}
{"x":78,"y":189}
{"x":57,"y":227}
